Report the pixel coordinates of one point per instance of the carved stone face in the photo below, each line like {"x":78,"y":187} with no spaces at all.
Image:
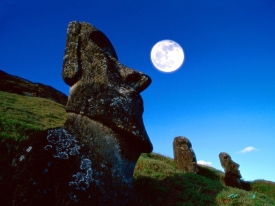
{"x":228,"y":164}
{"x":183,"y":147}
{"x":102,"y":88}
{"x":182,"y":143}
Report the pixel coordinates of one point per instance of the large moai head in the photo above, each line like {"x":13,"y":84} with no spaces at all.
{"x":101,"y":88}
{"x":184,"y":155}
{"x":91,"y":159}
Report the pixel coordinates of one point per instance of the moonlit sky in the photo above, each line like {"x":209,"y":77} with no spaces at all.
{"x":222,"y":98}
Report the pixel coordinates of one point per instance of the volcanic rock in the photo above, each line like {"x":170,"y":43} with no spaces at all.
{"x":231,"y":169}
{"x":91,"y":159}
{"x":184,"y":155}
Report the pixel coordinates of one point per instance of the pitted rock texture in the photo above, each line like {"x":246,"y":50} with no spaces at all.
{"x":102,"y":88}
{"x":57,"y":167}
{"x":231,"y":169}
{"x":91,"y":159}
{"x":184,"y":155}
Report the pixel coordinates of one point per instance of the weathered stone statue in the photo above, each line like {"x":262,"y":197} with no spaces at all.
{"x":91,"y":159}
{"x":231,"y":169}
{"x":184,"y":155}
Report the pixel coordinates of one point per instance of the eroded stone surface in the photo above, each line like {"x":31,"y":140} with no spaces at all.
{"x":101,"y":87}
{"x":91,"y":159}
{"x":184,"y":155}
{"x":231,"y":169}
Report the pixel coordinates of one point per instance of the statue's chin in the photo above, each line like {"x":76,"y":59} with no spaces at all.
{"x":138,"y":138}
{"x":118,"y":108}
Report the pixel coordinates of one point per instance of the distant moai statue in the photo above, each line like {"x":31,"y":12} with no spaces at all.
{"x":184,"y":155}
{"x":231,"y":169}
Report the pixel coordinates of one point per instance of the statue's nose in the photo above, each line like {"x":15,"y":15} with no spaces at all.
{"x":136,"y":80}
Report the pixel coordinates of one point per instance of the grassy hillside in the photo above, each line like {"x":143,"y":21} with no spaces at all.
{"x":20,"y":115}
{"x":157,"y":180}
{"x":17,"y":85}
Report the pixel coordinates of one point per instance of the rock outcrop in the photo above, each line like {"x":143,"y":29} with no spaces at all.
{"x":184,"y":155}
{"x":231,"y":169}
{"x":91,"y":159}
{"x":18,"y":85}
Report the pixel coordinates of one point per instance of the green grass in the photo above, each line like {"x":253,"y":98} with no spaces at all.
{"x":159,"y":182}
{"x":21,"y":116}
{"x":265,"y":187}
{"x":157,"y":179}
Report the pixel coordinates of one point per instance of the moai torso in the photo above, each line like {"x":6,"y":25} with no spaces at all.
{"x":91,"y":159}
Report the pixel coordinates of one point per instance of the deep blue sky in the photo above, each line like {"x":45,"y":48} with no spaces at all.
{"x":222,"y":98}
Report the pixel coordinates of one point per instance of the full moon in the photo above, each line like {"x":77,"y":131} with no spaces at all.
{"x":167,"y":56}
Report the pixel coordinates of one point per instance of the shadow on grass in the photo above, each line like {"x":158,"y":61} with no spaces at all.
{"x":210,"y":173}
{"x":217,"y":175}
{"x":178,"y":189}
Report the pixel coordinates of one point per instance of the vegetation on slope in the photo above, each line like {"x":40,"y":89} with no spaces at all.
{"x":157,"y":179}
{"x":13,"y":84}
{"x":159,"y":182}
{"x":22,"y":116}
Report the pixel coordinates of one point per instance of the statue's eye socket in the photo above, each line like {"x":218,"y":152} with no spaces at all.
{"x":103,"y":42}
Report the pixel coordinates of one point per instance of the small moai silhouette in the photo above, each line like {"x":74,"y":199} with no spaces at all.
{"x":231,"y":169}
{"x":184,"y":155}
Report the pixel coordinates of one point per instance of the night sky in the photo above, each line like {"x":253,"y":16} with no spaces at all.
{"x":222,"y":98}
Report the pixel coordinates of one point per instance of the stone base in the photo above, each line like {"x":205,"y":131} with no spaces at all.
{"x":60,"y":167}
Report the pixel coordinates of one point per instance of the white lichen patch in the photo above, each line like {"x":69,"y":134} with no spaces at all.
{"x":124,"y":91}
{"x":29,"y":149}
{"x":64,"y":143}
{"x":21,"y":158}
{"x":121,"y":102}
{"x":136,"y":133}
{"x":83,"y":179}
{"x":101,"y":101}
{"x":48,"y":147}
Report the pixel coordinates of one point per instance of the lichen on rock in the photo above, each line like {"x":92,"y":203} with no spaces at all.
{"x":91,"y":159}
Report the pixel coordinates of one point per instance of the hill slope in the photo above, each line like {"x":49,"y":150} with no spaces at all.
{"x":157,"y":180}
{"x":17,"y":85}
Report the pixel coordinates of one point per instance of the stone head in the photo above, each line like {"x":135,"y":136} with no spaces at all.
{"x":101,"y":88}
{"x":228,"y":164}
{"x":184,"y":156}
{"x":182,"y":143}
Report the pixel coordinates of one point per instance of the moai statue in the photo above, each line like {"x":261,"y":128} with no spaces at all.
{"x":184,"y":155}
{"x":91,"y":159}
{"x":231,"y":169}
